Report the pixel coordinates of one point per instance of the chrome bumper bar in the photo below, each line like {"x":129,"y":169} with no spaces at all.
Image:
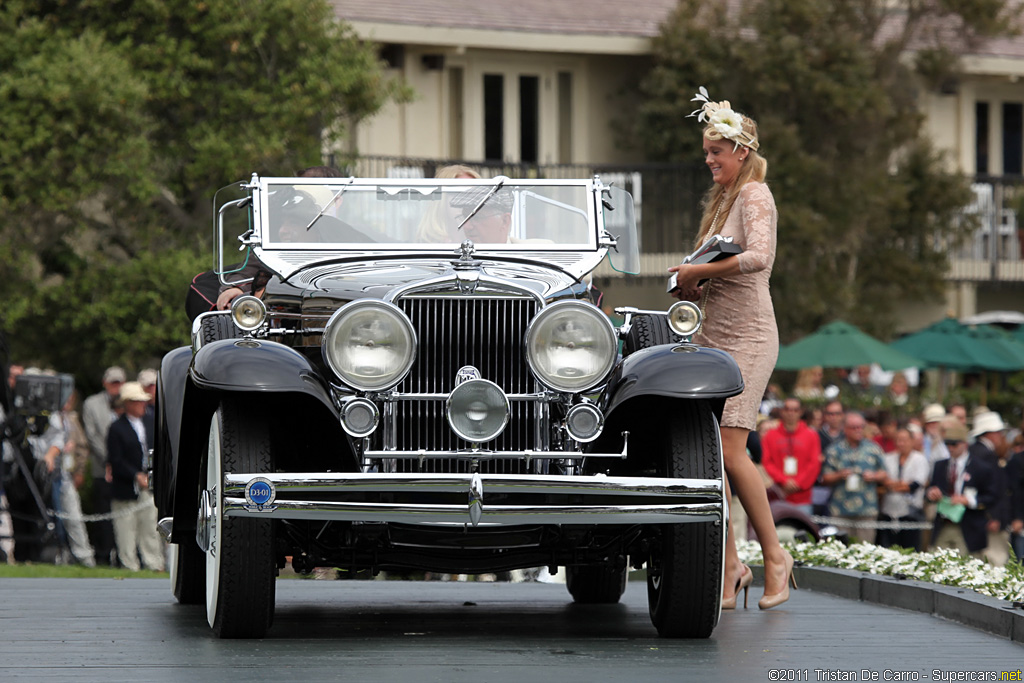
{"x":551,"y":499}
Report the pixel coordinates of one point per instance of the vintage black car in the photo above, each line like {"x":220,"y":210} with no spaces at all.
{"x":420,"y":379}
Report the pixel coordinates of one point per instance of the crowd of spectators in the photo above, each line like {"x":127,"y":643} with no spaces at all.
{"x":938,"y":477}
{"x":93,"y":506}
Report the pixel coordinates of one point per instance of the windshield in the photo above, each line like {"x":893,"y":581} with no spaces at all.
{"x":496,"y":214}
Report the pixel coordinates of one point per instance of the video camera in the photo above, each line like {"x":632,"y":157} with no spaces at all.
{"x":38,"y":396}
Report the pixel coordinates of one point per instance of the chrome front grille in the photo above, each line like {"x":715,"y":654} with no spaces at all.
{"x":486,"y":333}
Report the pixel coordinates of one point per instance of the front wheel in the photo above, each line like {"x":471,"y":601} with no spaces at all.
{"x":684,"y":570}
{"x":240,"y":569}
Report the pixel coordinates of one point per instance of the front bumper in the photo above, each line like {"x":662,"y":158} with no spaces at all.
{"x":474,"y":499}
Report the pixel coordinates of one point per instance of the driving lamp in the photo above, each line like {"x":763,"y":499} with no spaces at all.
{"x":684,"y":317}
{"x":248,"y":312}
{"x":477,"y":410}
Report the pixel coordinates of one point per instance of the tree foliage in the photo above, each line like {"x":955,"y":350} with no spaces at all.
{"x":866,"y":207}
{"x":120,"y":119}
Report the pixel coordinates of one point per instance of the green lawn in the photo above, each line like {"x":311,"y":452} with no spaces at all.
{"x":51,"y":571}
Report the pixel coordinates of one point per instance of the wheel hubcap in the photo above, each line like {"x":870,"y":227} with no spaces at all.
{"x":206,"y":523}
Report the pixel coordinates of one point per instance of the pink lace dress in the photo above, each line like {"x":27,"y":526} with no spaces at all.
{"x":740,"y":318}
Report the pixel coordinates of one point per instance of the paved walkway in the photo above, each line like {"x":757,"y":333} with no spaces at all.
{"x":131,"y":630}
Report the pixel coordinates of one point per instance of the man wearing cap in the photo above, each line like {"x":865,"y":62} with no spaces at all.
{"x":98,"y":412}
{"x":132,"y":504}
{"x":965,"y":489}
{"x":934,"y":447}
{"x":989,"y":440}
{"x":147,"y":378}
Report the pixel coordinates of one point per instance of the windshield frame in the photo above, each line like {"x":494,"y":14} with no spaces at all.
{"x":264,"y":217}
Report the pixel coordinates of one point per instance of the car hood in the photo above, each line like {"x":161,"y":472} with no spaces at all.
{"x":378,"y":278}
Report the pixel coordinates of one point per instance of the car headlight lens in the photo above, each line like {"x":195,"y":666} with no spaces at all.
{"x":370,"y":344}
{"x":571,"y":346}
{"x":684,"y":318}
{"x":248,"y":312}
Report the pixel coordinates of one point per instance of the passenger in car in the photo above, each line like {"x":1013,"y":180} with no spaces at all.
{"x":254,"y":271}
{"x":439,"y":221}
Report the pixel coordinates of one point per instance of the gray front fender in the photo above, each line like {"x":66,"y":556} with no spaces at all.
{"x":673,"y":371}
{"x":253,"y":365}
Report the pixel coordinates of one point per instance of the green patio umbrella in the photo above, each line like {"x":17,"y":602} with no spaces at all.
{"x":841,"y":345}
{"x":948,"y":344}
{"x":1005,"y":344}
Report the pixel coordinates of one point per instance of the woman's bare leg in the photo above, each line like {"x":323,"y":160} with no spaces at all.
{"x":745,"y":479}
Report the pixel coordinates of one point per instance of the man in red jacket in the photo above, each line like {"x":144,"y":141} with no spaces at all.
{"x":791,"y":454}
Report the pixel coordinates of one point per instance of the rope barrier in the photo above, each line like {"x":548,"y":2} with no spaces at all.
{"x":103,"y":516}
{"x":877,"y":524}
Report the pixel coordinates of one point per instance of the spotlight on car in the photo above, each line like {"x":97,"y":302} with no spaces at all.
{"x":684,"y":317}
{"x":248,"y":312}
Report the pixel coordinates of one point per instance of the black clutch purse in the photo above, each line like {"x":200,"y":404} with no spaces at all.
{"x":717,"y":247}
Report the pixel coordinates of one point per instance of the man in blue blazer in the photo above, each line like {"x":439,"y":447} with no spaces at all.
{"x":135,"y":529}
{"x":965,"y":481}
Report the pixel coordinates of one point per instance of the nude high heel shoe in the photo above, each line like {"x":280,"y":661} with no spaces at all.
{"x":776,"y":599}
{"x":743,"y":584}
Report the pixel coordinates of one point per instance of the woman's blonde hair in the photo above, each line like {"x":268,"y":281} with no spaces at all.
{"x":433,"y":227}
{"x":455,"y":170}
{"x":754,"y":169}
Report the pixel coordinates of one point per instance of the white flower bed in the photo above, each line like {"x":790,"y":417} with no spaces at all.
{"x":943,"y":566}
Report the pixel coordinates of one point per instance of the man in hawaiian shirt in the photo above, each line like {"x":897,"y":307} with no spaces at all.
{"x":854,"y":467}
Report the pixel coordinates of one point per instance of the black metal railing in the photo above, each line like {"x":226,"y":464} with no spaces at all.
{"x":667,"y":199}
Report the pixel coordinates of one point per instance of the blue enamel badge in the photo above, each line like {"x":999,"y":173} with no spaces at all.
{"x":259,"y":495}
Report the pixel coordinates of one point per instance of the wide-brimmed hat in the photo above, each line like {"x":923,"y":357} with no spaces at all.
{"x":933,"y":413}
{"x":133,"y":391}
{"x":987,"y":422}
{"x":954,"y":430}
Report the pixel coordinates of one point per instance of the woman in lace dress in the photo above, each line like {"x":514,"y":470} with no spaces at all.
{"x":739,"y":319}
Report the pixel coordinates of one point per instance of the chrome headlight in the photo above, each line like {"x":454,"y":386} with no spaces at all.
{"x":370,"y":344}
{"x":248,"y":312}
{"x":571,"y":346}
{"x":684,"y":318}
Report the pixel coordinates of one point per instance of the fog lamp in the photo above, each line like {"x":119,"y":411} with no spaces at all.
{"x":584,"y":422}
{"x":359,"y":417}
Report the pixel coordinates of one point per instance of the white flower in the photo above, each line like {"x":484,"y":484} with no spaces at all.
{"x":727,"y":122}
{"x":943,"y":566}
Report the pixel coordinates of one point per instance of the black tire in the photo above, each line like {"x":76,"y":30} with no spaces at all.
{"x":240,"y":589}
{"x":601,"y":585}
{"x":219,"y":326}
{"x":684,"y":570}
{"x":648,"y":330}
{"x":188,"y":573}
